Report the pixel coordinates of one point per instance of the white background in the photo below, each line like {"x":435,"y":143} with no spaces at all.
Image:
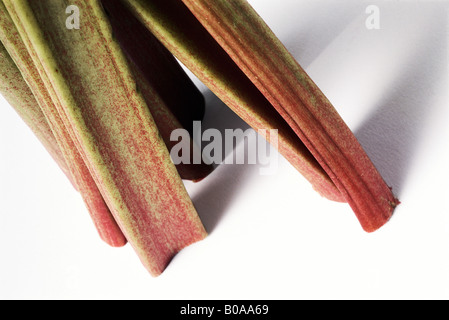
{"x":271,"y":237}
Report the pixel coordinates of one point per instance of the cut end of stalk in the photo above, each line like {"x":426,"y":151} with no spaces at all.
{"x":157,"y":269}
{"x":373,"y":224}
{"x":115,"y":243}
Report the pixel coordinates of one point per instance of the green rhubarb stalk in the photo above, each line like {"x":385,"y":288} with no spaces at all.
{"x":31,"y":71}
{"x":114,"y":127}
{"x":158,"y":73}
{"x":16,"y":91}
{"x":246,"y":38}
{"x":174,"y":25}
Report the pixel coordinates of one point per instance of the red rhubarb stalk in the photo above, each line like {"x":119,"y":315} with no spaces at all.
{"x":114,"y":127}
{"x":246,"y":38}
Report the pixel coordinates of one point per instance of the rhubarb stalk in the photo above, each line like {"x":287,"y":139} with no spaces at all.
{"x":113,"y":125}
{"x":34,"y":76}
{"x":246,"y":38}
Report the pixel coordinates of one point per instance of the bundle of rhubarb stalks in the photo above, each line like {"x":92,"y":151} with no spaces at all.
{"x":100,"y":84}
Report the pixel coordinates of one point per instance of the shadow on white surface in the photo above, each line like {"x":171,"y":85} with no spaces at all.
{"x":392,"y":132}
{"x":307,"y":38}
{"x":397,"y":114}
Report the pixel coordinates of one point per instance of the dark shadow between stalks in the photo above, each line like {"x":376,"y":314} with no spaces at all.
{"x":222,"y":186}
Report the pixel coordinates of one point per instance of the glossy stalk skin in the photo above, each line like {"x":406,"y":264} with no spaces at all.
{"x":180,"y":32}
{"x":246,"y":38}
{"x":15,"y":42}
{"x":157,"y":71}
{"x":113,"y":125}
{"x":16,"y":91}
